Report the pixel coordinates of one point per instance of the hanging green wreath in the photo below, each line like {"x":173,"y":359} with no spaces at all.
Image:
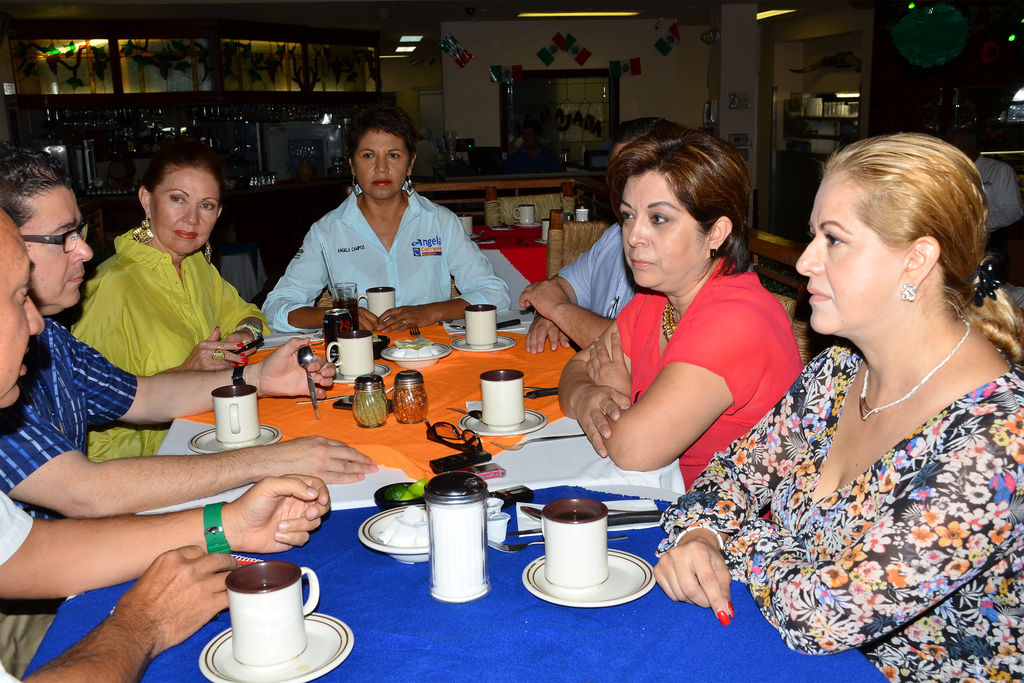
{"x":929,"y":36}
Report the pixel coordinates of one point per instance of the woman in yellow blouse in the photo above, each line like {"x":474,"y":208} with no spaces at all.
{"x":158,"y":303}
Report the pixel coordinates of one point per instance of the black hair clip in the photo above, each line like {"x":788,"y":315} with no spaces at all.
{"x":986,"y":284}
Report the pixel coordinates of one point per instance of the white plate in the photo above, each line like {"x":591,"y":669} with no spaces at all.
{"x":500,"y":345}
{"x":206,"y":441}
{"x":329,"y":643}
{"x":378,"y":369}
{"x":540,"y":241}
{"x":370,"y":531}
{"x":526,"y":225}
{"x":629,"y":577}
{"x":534,"y":421}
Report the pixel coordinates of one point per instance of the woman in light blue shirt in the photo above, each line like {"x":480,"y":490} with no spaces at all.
{"x":385,"y":234}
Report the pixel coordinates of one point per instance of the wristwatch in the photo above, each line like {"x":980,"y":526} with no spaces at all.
{"x":236,"y":375}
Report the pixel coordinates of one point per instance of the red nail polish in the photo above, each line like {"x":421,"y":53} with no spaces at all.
{"x":723,"y":618}
{"x":245,"y":361}
{"x":732,"y":612}
{"x":239,"y":345}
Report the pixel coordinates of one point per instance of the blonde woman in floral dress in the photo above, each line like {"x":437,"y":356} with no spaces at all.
{"x":890,"y":469}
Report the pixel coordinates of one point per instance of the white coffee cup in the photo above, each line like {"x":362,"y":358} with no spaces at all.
{"x":379,"y":299}
{"x":481,"y":325}
{"x":575,"y":543}
{"x":545,"y":225}
{"x":355,"y":352}
{"x":501,"y":392}
{"x":235,"y":414}
{"x":268,"y":623}
{"x":467,"y":224}
{"x":582,"y":214}
{"x":524,"y":214}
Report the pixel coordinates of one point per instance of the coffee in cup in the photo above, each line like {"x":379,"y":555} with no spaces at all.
{"x":524,"y":214}
{"x":481,"y":325}
{"x":355,"y":352}
{"x":379,"y":299}
{"x":235,"y":414}
{"x":268,"y":623}
{"x":502,"y":394}
{"x":575,"y":543}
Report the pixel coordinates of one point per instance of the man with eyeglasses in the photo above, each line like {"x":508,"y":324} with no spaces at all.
{"x":70,"y":386}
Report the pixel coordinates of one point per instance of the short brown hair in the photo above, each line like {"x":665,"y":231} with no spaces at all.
{"x":707,"y":175}
{"x":385,"y":118}
{"x":183,"y":152}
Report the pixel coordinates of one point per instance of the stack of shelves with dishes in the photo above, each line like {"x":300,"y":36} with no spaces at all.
{"x":821,"y":123}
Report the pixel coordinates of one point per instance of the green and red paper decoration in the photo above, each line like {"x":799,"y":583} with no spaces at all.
{"x":667,"y":42}
{"x":566,"y":43}
{"x":506,"y":74}
{"x":623,"y":68}
{"x":459,"y":54}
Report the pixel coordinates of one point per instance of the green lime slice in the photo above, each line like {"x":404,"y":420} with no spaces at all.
{"x":396,"y":492}
{"x":416,"y":488}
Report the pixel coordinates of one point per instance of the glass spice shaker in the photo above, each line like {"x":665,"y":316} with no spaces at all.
{"x":457,"y":524}
{"x":410,"y":399}
{"x":369,"y":403}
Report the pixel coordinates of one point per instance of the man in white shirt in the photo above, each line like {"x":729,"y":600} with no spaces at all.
{"x":182,"y":588}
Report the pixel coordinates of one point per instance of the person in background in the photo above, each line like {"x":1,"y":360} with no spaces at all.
{"x":696,"y":359}
{"x":426,"y":156}
{"x":182,"y":589}
{"x":891,"y":469}
{"x":580,"y":302}
{"x":385,"y":234}
{"x":533,"y":156}
{"x":158,"y":303}
{"x":69,"y":386}
{"x":1001,"y":189}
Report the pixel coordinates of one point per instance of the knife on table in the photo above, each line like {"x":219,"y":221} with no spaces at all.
{"x":614,"y":519}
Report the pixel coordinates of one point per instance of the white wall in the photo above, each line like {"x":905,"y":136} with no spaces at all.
{"x":406,"y":77}
{"x":674,"y":87}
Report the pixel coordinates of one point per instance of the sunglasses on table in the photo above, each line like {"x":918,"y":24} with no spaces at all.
{"x":447,"y":434}
{"x":68,"y":240}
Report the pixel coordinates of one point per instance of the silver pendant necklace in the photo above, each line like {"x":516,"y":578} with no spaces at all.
{"x":866,"y":412}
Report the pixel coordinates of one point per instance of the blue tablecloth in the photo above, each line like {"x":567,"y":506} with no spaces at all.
{"x":402,"y":634}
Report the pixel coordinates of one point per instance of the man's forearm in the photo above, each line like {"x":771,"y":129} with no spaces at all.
{"x":578,"y":323}
{"x":119,"y":649}
{"x":76,"y":487}
{"x":84,"y":554}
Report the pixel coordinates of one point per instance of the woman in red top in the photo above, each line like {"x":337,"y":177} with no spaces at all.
{"x":704,"y":351}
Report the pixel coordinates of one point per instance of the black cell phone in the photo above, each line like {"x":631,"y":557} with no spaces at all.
{"x":254,"y":344}
{"x":513,"y":495}
{"x":459,"y":461}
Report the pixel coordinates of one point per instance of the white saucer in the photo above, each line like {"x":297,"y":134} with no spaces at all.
{"x":206,"y":441}
{"x":378,"y":369}
{"x":329,"y":643}
{"x":370,"y":531}
{"x":540,"y":241}
{"x":534,"y":421}
{"x":526,"y":225}
{"x":500,"y":345}
{"x":629,"y":577}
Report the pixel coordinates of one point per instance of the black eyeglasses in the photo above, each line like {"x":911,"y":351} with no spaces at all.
{"x":448,"y":434}
{"x":68,"y":240}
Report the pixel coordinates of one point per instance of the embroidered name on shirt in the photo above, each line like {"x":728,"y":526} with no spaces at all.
{"x":429,"y":246}
{"x":345,"y":250}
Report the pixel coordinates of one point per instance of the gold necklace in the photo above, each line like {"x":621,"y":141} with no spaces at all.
{"x":668,"y":320}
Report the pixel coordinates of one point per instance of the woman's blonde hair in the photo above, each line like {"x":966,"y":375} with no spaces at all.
{"x":916,"y":186}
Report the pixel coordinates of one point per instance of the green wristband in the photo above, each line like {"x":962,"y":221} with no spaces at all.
{"x":213,"y":527}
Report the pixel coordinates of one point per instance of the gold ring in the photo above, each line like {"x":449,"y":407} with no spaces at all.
{"x":406,"y":322}
{"x":218,"y":354}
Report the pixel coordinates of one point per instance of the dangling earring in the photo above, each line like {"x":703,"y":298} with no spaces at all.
{"x":407,"y":186}
{"x":909,"y":292}
{"x":714,"y":253}
{"x":356,"y":190}
{"x":143,"y":234}
{"x":208,"y":253}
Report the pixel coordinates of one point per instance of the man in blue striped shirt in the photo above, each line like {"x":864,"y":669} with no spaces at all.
{"x":69,"y":386}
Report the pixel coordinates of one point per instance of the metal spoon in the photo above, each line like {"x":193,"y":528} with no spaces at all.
{"x":475,"y":414}
{"x":305,"y":356}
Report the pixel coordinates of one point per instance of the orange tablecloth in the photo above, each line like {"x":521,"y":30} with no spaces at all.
{"x":450,"y":383}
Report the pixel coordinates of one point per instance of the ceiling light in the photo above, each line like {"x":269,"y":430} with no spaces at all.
{"x":773,"y":13}
{"x":410,"y":39}
{"x":393,"y":56}
{"x":848,"y":95}
{"x":405,"y":48}
{"x":549,"y":15}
